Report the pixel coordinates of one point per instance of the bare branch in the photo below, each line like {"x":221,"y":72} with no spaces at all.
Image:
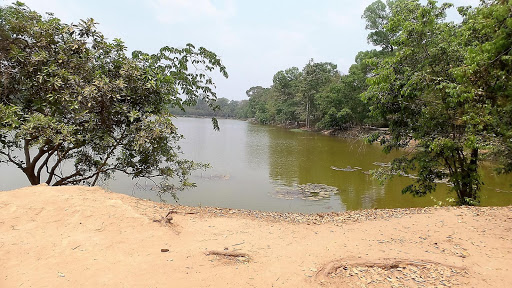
{"x":63,"y":180}
{"x":109,"y":154}
{"x":9,"y":157}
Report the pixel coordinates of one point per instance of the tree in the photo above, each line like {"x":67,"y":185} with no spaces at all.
{"x":315,"y":77}
{"x":445,"y":93}
{"x":243,"y":110}
{"x":286,"y":86}
{"x":486,"y":76}
{"x":259,"y":99}
{"x":377,"y":16}
{"x":74,"y":108}
{"x":340,"y":103}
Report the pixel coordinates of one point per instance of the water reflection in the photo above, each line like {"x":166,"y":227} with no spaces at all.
{"x":256,"y":144}
{"x":302,"y":157}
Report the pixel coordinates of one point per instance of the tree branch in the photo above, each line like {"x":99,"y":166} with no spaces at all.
{"x":26,"y":150}
{"x":63,"y":180}
{"x":57,"y":163}
{"x":40,"y":153}
{"x":9,"y":157}
{"x":109,"y":154}
{"x":45,"y":162}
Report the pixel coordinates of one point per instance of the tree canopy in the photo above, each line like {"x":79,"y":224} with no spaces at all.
{"x":317,"y":96}
{"x":377,"y":16}
{"x":74,"y":108}
{"x":445,"y":92}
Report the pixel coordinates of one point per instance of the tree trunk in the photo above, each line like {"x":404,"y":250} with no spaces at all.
{"x":307,"y":114}
{"x":470,"y":183}
{"x":30,"y":172}
{"x":29,"y":169}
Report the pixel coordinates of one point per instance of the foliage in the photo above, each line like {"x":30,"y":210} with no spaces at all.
{"x":341,"y":103}
{"x":377,"y":16}
{"x":485,"y":78}
{"x":445,"y":93}
{"x":74,"y":108}
{"x":318,"y":95}
{"x":315,"y":76}
{"x":286,"y":85}
{"x":259,"y":103}
{"x":443,"y":89}
{"x":224,"y":108}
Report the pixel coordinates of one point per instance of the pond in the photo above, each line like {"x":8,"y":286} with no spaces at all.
{"x":267,"y":168}
{"x":273,"y":169}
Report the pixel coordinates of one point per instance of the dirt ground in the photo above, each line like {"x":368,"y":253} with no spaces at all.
{"x":87,"y":237}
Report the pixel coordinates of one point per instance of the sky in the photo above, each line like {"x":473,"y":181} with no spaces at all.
{"x":254,"y":38}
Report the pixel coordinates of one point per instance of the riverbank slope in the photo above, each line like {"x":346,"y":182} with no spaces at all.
{"x":87,"y":237}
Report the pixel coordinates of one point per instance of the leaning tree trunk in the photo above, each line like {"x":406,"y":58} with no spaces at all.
{"x":30,"y":164}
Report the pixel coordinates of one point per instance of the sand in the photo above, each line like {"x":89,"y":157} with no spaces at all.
{"x":87,"y":237}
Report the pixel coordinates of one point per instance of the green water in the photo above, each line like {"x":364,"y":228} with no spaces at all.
{"x":253,"y":164}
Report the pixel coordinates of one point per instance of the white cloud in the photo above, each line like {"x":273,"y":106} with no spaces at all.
{"x":205,"y":22}
{"x":288,"y":37}
{"x":176,"y":11}
{"x":283,"y":49}
{"x":339,"y":20}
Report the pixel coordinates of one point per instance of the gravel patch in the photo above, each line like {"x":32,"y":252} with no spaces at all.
{"x":397,"y":274}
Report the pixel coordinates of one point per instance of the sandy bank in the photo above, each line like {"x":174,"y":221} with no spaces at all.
{"x":86,"y":237}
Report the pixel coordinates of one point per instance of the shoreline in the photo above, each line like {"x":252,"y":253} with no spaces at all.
{"x":319,"y":218}
{"x":88,"y":237}
{"x":353,"y":132}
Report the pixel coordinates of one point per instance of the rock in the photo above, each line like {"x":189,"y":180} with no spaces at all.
{"x":313,"y":192}
{"x":348,"y":169}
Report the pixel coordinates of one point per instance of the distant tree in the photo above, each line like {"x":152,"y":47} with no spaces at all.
{"x":315,"y":77}
{"x":78,"y":109}
{"x":286,"y":85}
{"x":243,"y":110}
{"x":341,"y":103}
{"x":201,"y":108}
{"x":259,"y":101}
{"x":446,"y":93}
{"x":223,"y":107}
{"x":317,"y":94}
